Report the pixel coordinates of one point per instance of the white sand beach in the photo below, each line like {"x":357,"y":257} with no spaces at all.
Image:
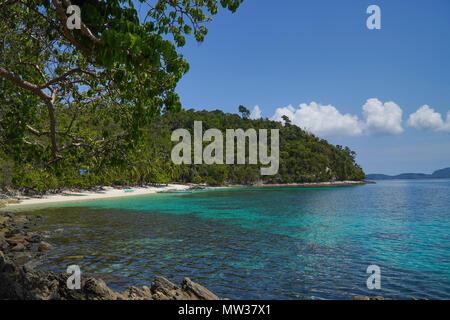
{"x":111,"y":192}
{"x":104,"y":193}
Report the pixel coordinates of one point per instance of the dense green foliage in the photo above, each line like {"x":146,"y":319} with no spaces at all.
{"x":303,"y":158}
{"x":74,"y":99}
{"x":116,"y":72}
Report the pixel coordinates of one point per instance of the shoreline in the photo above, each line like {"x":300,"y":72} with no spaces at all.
{"x":106,"y":192}
{"x":303,"y":184}
{"x":22,"y":250}
{"x":89,"y":194}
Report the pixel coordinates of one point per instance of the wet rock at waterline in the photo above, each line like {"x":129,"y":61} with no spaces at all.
{"x":19,"y":281}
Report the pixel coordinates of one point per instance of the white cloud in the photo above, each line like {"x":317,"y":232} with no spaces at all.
{"x":425,"y":118}
{"x":382,"y":117}
{"x":327,"y":121}
{"x":256,"y":113}
{"x":321,"y":120}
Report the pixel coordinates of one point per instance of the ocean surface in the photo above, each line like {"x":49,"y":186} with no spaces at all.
{"x":265,"y":243}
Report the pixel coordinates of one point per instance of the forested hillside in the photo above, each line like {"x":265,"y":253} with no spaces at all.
{"x":303,"y":158}
{"x":97,"y":105}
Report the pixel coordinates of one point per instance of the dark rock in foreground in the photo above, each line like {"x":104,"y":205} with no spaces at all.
{"x":19,"y":281}
{"x":24,"y":283}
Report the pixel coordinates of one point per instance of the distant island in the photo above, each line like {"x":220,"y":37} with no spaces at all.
{"x":439,"y":174}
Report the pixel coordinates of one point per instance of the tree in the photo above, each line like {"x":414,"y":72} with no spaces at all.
{"x":111,"y":76}
{"x":286,"y":120}
{"x":244,"y":112}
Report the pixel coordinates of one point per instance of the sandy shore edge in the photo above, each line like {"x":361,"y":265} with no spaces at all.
{"x":111,"y":192}
{"x":104,"y":193}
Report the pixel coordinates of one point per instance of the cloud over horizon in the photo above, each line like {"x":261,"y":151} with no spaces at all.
{"x":326,"y":121}
{"x":320,"y":120}
{"x":383,"y":118}
{"x":425,"y":118}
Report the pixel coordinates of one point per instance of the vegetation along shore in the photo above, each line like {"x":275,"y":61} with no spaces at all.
{"x":304,"y":158}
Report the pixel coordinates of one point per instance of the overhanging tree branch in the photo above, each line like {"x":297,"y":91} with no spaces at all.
{"x":60,"y":78}
{"x":63,"y":19}
{"x":84,"y":29}
{"x":24,"y":84}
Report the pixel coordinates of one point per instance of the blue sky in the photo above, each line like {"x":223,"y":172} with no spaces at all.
{"x":290,"y":52}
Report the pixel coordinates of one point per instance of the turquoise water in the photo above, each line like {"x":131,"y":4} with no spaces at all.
{"x":266,"y":243}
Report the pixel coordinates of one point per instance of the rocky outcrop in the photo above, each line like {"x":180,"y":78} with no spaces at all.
{"x":163,"y":289}
{"x":20,"y":281}
{"x":17,"y":242}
